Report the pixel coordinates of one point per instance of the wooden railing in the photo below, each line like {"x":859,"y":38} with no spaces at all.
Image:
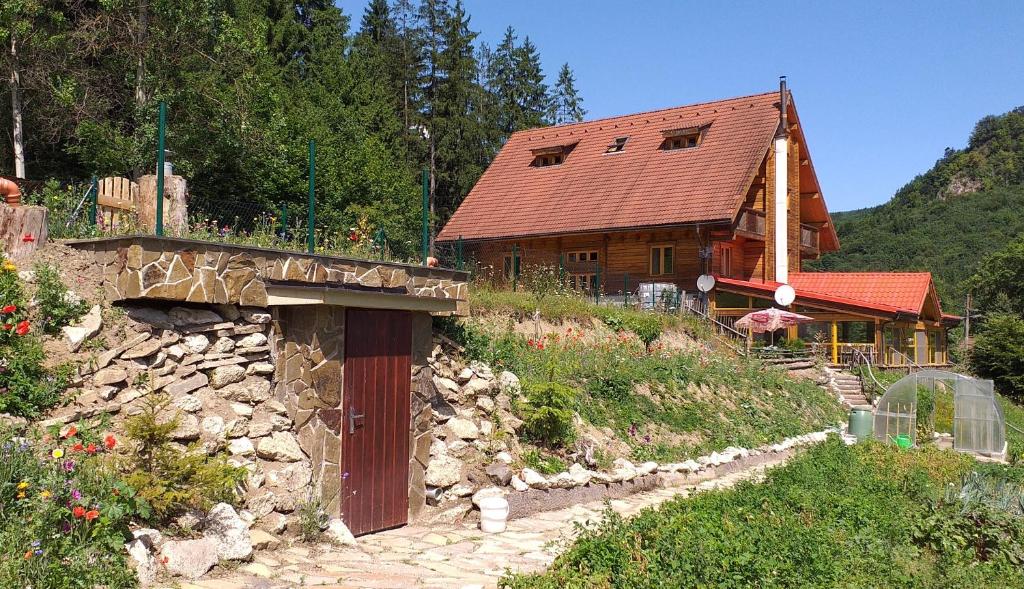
{"x":847,"y":351}
{"x":752,"y":222}
{"x":808,"y":237}
{"x":116,"y":202}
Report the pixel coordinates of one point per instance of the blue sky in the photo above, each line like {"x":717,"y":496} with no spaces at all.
{"x":882,"y":87}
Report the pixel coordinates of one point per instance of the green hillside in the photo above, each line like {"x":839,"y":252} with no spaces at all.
{"x":970,"y":203}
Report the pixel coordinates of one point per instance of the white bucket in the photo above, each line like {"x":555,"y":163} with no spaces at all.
{"x":493,"y":514}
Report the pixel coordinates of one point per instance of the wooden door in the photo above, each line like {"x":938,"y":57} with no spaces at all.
{"x":375,"y":413}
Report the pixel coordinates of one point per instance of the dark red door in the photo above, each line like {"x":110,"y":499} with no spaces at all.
{"x":375,"y":413}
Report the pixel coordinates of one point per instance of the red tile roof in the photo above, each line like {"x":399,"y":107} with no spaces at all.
{"x":885,"y":292}
{"x":641,"y":186}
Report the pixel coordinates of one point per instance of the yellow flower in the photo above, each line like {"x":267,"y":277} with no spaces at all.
{"x":45,"y":494}
{"x":9,"y":266}
{"x":57,"y":453}
{"x":21,"y":494}
{"x":22,"y":485}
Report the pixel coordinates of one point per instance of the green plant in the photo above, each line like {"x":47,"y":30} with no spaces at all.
{"x":548,"y":414}
{"x":542,"y":462}
{"x":168,"y":480}
{"x":57,"y":306}
{"x":998,"y":354}
{"x":312,"y":518}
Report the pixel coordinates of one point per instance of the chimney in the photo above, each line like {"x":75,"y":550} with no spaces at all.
{"x":782,"y":188}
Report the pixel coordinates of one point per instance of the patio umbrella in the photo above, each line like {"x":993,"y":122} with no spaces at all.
{"x":770,"y":320}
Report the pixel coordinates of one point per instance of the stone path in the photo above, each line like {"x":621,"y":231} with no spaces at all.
{"x":454,"y":556}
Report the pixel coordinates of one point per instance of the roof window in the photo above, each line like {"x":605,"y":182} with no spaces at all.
{"x":618,"y":145}
{"x":685,"y":138}
{"x":550,"y":156}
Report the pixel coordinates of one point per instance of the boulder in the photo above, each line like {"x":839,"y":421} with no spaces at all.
{"x":223,"y":345}
{"x":274,"y":522}
{"x":261,"y":540}
{"x":647,"y":468}
{"x":508,"y":383}
{"x":188,"y":403}
{"x":86,"y":327}
{"x":447,"y":387}
{"x":150,"y":537}
{"x":562,"y":480}
{"x":441,"y":410}
{"x":175,"y":352}
{"x":260,"y":368}
{"x":534,"y":479}
{"x":500,"y":472}
{"x":255,"y":315}
{"x":229,"y":532}
{"x":477,"y":386}
{"x":143,"y":561}
{"x":222,"y":376}
{"x":443,"y":471}
{"x":253,"y":340}
{"x":189,"y":558}
{"x":291,"y":476}
{"x":460,"y":490}
{"x":155,"y":318}
{"x":146,"y":348}
{"x":181,"y":387}
{"x":213,"y":426}
{"x":518,"y":484}
{"x":252,"y":389}
{"x":280,"y":447}
{"x":242,"y":409}
{"x":195,"y":343}
{"x":185,"y":316}
{"x":462,"y":428}
{"x":188,"y":428}
{"x":485,"y":404}
{"x":504,"y":457}
{"x":486,"y":493}
{"x":580,"y":476}
{"x":338,"y":533}
{"x":109,"y":375}
{"x":481,"y":370}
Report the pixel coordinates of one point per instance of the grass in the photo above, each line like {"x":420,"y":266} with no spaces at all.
{"x":838,"y":516}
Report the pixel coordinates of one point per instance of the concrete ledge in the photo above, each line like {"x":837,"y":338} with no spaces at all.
{"x":524,"y":503}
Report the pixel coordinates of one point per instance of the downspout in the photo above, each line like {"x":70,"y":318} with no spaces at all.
{"x":782,"y":188}
{"x":10,"y":192}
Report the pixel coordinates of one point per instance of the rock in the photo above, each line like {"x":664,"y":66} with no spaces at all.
{"x":485,"y":493}
{"x":261,"y":540}
{"x":252,"y":340}
{"x":279,"y":447}
{"x":443,"y":471}
{"x":580,"y":476}
{"x":190,"y":520}
{"x":482,"y":370}
{"x":562,"y":480}
{"x":146,"y":348}
{"x":458,"y":447}
{"x":228,"y":312}
{"x":504,"y":457}
{"x":647,"y":468}
{"x":107,"y":393}
{"x":223,"y":345}
{"x":260,"y":368}
{"x":518,"y":484}
{"x":196,"y":343}
{"x":229,"y":531}
{"x":175,"y":352}
{"x":237,"y":428}
{"x":438,"y":447}
{"x":291,"y":477}
{"x":486,"y":428}
{"x":152,"y":538}
{"x":485,"y":404}
{"x":255,"y":315}
{"x":150,"y":316}
{"x":188,"y":428}
{"x":499,"y":472}
{"x":447,"y":387}
{"x":477,"y":386}
{"x":212,"y":425}
{"x":187,"y":385}
{"x":189,"y":558}
{"x":185,"y":317}
{"x":441,"y":410}
{"x":143,"y":561}
{"x":462,"y":428}
{"x":86,"y":327}
{"x":508,"y":383}
{"x":534,"y":479}
{"x":109,"y":375}
{"x":252,"y":389}
{"x":188,"y":403}
{"x":465,"y":374}
{"x":337,"y":532}
{"x":222,"y":376}
{"x":274,"y":522}
{"x":242,"y":409}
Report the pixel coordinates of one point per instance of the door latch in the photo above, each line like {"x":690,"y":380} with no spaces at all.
{"x":352,"y":417}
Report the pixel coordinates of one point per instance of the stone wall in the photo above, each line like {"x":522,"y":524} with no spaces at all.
{"x":148,"y":267}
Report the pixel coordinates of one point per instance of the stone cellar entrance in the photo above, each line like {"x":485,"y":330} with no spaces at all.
{"x":375,"y":413}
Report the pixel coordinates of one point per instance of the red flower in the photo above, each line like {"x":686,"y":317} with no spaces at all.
{"x":77,"y":447}
{"x":8,"y":327}
{"x":91,"y":448}
{"x":91,"y":514}
{"x":109,"y":442}
{"x":8,"y":309}
{"x":78,"y":511}
{"x":71,"y":432}
{"x":23,"y":328}
{"x":27,"y":238}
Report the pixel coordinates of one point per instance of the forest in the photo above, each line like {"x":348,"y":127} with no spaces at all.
{"x":405,"y":86}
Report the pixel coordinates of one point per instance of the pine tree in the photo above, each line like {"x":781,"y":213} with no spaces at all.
{"x":566,"y":103}
{"x":532,"y":90}
{"x":516,"y":83}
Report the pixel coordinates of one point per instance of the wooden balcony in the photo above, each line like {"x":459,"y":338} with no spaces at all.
{"x":808,"y":239}
{"x":751,"y":223}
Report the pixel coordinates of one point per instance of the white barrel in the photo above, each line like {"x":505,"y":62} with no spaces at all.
{"x":493,"y":514}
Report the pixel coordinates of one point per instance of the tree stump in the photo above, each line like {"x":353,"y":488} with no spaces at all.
{"x":23,"y":230}
{"x":175,"y":204}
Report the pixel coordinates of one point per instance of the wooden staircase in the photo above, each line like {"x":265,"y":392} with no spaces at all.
{"x":850,"y":388}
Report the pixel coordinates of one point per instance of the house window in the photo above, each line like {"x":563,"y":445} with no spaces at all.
{"x":686,"y":138}
{"x":512,"y":270}
{"x":583,"y":282}
{"x":618,"y":145}
{"x":582,"y":256}
{"x":547,"y":159}
{"x":661,"y":259}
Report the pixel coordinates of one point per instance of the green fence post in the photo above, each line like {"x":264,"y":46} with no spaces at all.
{"x":625,"y":289}
{"x":458,"y":254}
{"x":310,"y":237}
{"x":515,"y":267}
{"x":93,"y":201}
{"x":425,"y":217}
{"x":161,"y":134}
{"x":284,"y":221}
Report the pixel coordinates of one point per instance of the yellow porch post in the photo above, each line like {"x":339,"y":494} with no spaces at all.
{"x":835,"y":343}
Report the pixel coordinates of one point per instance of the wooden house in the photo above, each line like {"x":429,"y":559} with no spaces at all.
{"x":725,"y":188}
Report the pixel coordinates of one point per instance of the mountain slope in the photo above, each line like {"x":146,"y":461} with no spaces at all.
{"x":947,"y":219}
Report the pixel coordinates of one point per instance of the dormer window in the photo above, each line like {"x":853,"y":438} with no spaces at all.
{"x":550,"y":156}
{"x":618,"y":145}
{"x":686,"y":138}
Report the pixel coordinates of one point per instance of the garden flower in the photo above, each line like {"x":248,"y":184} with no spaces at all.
{"x":9,"y":266}
{"x":8,"y":327}
{"x":110,"y":442}
{"x":69,"y":465}
{"x":45,"y":494}
{"x":36,"y":543}
{"x":76,"y":494}
{"x":91,"y":515}
{"x":91,"y":448}
{"x":57,"y":453}
{"x":78,"y":447}
{"x":27,"y":238}
{"x":28,"y":555}
{"x":78,"y":511}
{"x":71,"y":432}
{"x":7,"y":309}
{"x":23,"y":485}
{"x":21,"y":494}
{"x":22,"y":328}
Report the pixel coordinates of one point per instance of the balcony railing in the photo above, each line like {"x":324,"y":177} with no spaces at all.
{"x":751,"y":222}
{"x":809,"y":238}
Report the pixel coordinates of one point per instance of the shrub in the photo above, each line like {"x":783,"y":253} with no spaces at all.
{"x":64,"y":515}
{"x":26,"y":387}
{"x":548,"y":414}
{"x":998,"y":354}
{"x":168,"y":480}
{"x":543,"y":463}
{"x":57,"y":305}
{"x":313,"y":518}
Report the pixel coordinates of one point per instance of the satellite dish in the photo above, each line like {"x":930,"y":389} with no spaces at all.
{"x":705,"y":283}
{"x":785,"y":295}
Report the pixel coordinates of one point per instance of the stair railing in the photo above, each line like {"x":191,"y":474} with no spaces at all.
{"x":860,"y":359}
{"x":909,"y":361}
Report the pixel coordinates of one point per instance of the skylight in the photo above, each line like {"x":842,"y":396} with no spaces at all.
{"x":618,"y":145}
